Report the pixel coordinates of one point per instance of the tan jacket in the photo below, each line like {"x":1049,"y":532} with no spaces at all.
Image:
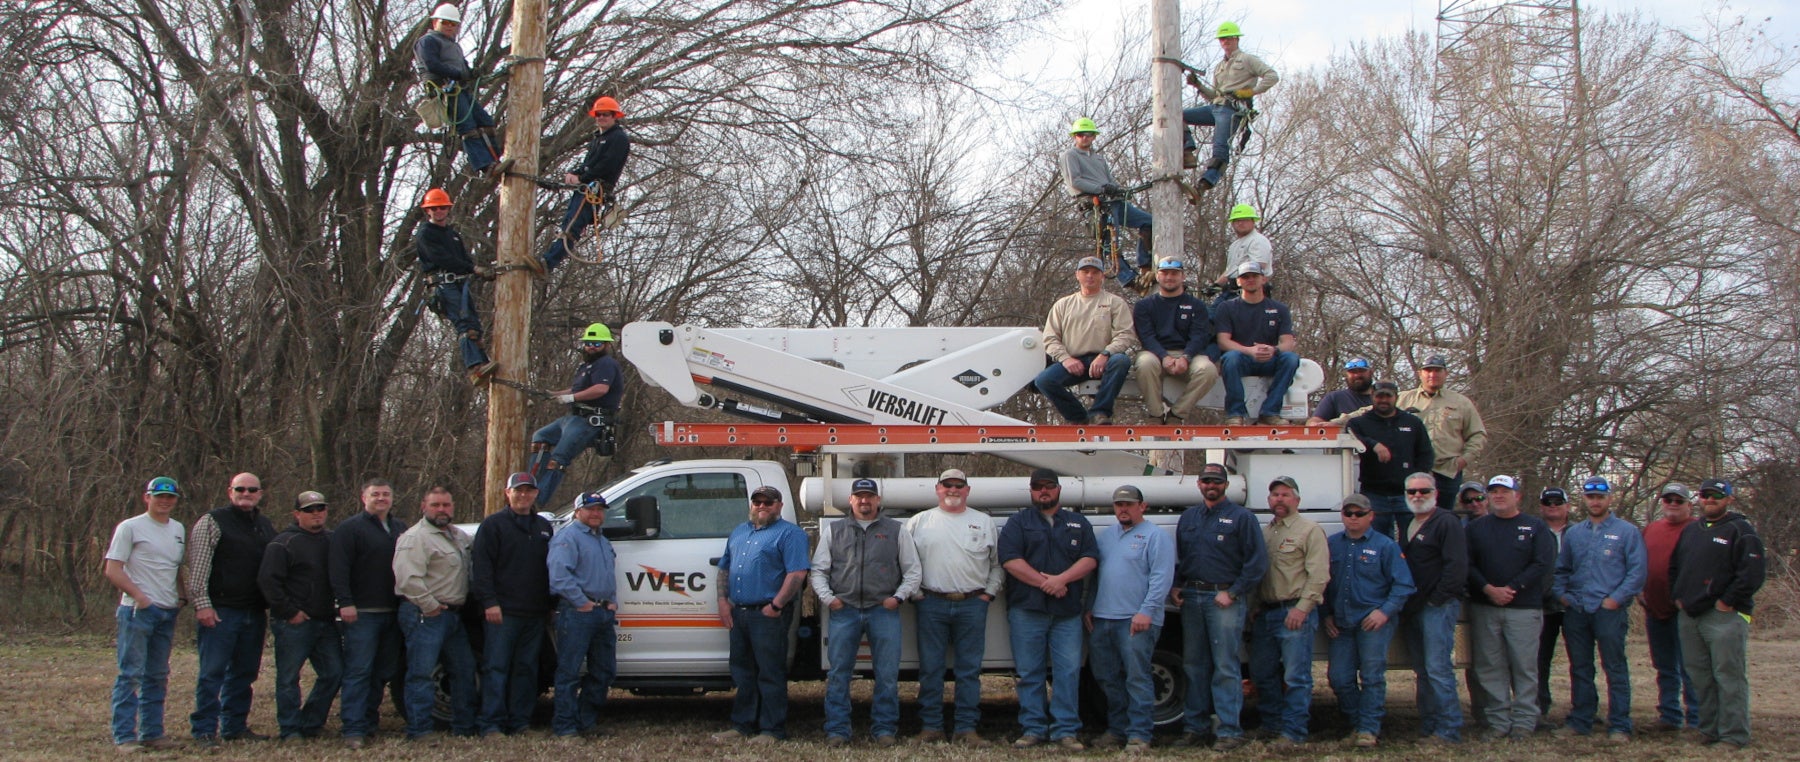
{"x":1299,"y":562}
{"x":431,"y":566}
{"x":1240,"y":72}
{"x":1084,"y":325}
{"x":1453,"y":422}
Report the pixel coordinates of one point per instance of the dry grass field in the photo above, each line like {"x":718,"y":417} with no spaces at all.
{"x":54,"y":692}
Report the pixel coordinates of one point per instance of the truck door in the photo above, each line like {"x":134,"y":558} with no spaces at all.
{"x":668,"y":608}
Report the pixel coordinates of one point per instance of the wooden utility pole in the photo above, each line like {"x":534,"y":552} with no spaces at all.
{"x":1166,"y":198}
{"x":511,"y":334}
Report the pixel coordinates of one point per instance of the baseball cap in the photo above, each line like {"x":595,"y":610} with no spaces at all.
{"x":1357,"y":364}
{"x":521,"y":479}
{"x":1045,"y":476}
{"x":1384,"y":387}
{"x":1213,"y":471}
{"x":1552,"y":492}
{"x":1595,"y":485}
{"x":953,"y":473}
{"x":309,"y":499}
{"x":1287,"y":480}
{"x":1720,"y":485}
{"x":162,"y":485}
{"x":865,"y":485}
{"x":1503,"y":480}
{"x":1470,"y":487}
{"x":1252,"y":266}
{"x":1093,"y":262}
{"x":1170,"y":263}
{"x":590,"y":500}
{"x":768,"y":492}
{"x":1128,"y":494}
{"x":1677,"y":488}
{"x":1355,"y":499}
{"x":1435,"y":361}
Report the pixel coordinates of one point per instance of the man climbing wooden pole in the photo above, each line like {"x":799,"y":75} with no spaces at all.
{"x":1166,"y":128}
{"x":511,"y":342}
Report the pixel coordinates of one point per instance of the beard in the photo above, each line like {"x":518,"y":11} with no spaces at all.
{"x":760,"y":520}
{"x":438,"y":521}
{"x":1421,"y":507}
{"x":952,"y":501}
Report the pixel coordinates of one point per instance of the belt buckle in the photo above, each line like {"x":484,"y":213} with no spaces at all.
{"x":956,"y":596}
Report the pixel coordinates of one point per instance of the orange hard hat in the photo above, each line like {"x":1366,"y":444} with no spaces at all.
{"x":435,"y":197}
{"x":603,"y":104}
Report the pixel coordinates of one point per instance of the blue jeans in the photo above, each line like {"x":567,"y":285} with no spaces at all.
{"x":1431,"y":639}
{"x":1674,"y":689}
{"x":947,"y":627}
{"x":319,"y":642}
{"x":509,"y":685}
{"x":429,"y":638}
{"x":1121,"y":663}
{"x":1055,"y":381}
{"x":588,"y":638}
{"x":1584,"y":630}
{"x":1358,"y":673}
{"x":1122,"y":213}
{"x":567,"y":437}
{"x":230,"y":656}
{"x":576,"y":220}
{"x":1392,"y":517}
{"x":1210,"y":640}
{"x":1281,"y":668}
{"x":759,"y":671}
{"x":1220,"y":118}
{"x":1547,"y":640}
{"x":373,"y":657}
{"x":470,"y":117}
{"x":848,"y":626}
{"x":1048,"y":648}
{"x":145,"y":638}
{"x":1280,"y":370}
{"x":459,"y":308}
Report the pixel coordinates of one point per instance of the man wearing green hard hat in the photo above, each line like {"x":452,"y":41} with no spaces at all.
{"x":1235,"y":82}
{"x":1089,"y":180}
{"x":593,"y":399}
{"x":1247,"y":245}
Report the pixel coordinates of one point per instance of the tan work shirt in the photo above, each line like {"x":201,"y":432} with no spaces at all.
{"x":431,"y":566}
{"x":1241,"y":71}
{"x":1299,"y":562}
{"x":1083,"y":325}
{"x":1453,"y":422}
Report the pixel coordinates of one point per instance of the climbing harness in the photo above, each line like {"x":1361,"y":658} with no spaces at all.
{"x":1105,"y":216}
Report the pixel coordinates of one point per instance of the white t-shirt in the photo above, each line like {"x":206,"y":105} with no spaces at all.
{"x":958,"y":552}
{"x":151,"y":551}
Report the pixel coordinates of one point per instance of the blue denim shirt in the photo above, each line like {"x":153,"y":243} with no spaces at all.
{"x":756,"y":560}
{"x":1051,"y":547}
{"x":1221,"y":545}
{"x":1136,"y":568}
{"x":581,"y":566}
{"x":1600,"y":561}
{"x":1367,"y":573}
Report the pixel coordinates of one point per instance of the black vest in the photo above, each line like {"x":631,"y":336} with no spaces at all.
{"x":238,"y":557}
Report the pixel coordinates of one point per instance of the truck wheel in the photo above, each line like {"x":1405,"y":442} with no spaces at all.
{"x":1170,"y":684}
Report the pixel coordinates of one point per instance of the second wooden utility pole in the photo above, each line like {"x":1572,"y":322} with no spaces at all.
{"x":1166,"y":198}
{"x":511,"y":335}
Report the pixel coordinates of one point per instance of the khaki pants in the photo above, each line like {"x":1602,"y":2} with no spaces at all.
{"x":1200,"y":378}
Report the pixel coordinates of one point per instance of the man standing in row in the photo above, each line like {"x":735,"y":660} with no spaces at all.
{"x":1370,"y":583}
{"x":1395,"y":444}
{"x":225,"y":551}
{"x":362,"y":579}
{"x":510,"y":580}
{"x":1219,"y":550}
{"x":1717,"y":568}
{"x":431,"y":574}
{"x":1137,"y":567}
{"x":1553,"y":508}
{"x":297,"y":584}
{"x":1457,"y":433}
{"x":582,"y":568}
{"x":1287,"y":614}
{"x":144,"y":563}
{"x":1176,"y":331}
{"x":1599,"y":571}
{"x":959,"y":575}
{"x":1088,"y":334}
{"x":1256,"y":334}
{"x":1049,"y":552}
{"x":865,"y":566}
{"x":1508,"y":554}
{"x":1437,"y":557}
{"x":1677,"y":706}
{"x":760,"y":575}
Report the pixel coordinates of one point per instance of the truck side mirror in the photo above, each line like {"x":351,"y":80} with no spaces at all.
{"x":643,"y":520}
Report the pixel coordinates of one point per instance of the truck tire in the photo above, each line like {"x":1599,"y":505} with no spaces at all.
{"x":1170,"y":685}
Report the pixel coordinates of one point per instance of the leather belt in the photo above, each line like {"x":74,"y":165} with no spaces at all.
{"x":1287,"y":604}
{"x":963,"y":596}
{"x":756,"y":605}
{"x":1213,"y":586}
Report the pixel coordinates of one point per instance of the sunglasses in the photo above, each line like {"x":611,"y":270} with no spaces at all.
{"x":1426,"y":491}
{"x":316,"y":508}
{"x":1676,"y":499}
{"x":1553,"y":502}
{"x":1711,"y":495}
{"x":1212,"y":481}
{"x":762,"y":501}
{"x":1356,"y":514}
{"x":252,"y":490}
{"x":1474,"y":500}
{"x":957,"y":485}
{"x":1036,"y":487}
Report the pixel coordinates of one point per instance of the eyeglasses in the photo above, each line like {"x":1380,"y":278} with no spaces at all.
{"x":315,"y":508}
{"x":1426,"y":491}
{"x":762,"y":501}
{"x":1212,"y":481}
{"x":1712,"y":495}
{"x":1036,"y":487}
{"x":252,"y":490}
{"x":956,"y":485}
{"x":1356,"y":514}
{"x":1474,"y":500}
{"x":1676,"y":499}
{"x":1553,"y":502}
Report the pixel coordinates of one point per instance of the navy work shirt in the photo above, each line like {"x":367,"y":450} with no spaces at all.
{"x":1221,"y":545}
{"x":1051,"y":547}
{"x":1264,"y":322}
{"x":601,"y":370}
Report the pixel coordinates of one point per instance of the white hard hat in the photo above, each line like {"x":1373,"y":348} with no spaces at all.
{"x":447,"y":12}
